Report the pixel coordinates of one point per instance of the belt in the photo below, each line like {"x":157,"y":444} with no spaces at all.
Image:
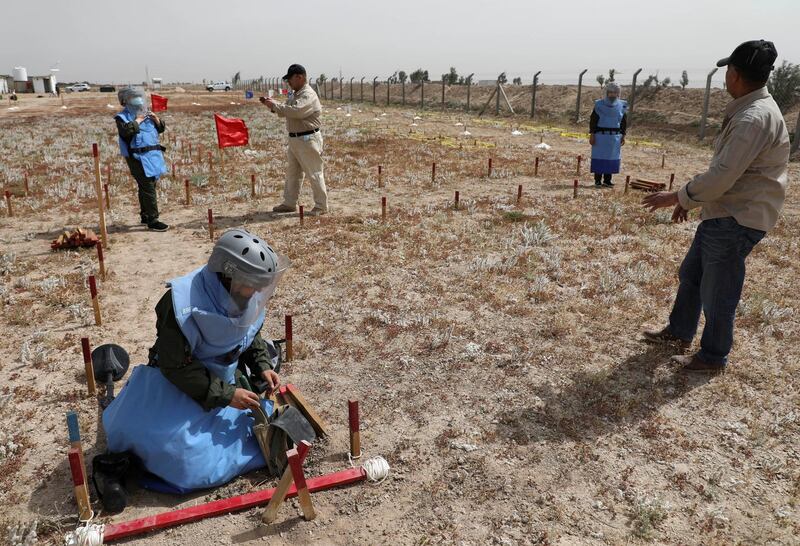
{"x":304,"y":133}
{"x":609,"y":130}
{"x":148,"y":149}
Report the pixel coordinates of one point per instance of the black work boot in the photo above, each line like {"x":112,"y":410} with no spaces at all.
{"x":157,"y":225}
{"x":108,"y":476}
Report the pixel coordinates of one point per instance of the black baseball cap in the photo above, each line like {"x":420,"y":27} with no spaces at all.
{"x":755,"y":58}
{"x":294,"y":69}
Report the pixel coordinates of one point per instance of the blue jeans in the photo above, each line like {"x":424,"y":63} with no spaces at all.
{"x":711,"y":279}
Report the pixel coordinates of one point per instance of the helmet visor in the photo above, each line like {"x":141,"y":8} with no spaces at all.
{"x":250,"y":293}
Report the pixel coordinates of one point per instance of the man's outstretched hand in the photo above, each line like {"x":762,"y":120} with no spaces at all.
{"x":272,"y":379}
{"x":660,"y":200}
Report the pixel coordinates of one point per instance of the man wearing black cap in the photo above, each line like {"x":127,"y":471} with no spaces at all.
{"x":304,"y":156}
{"x":741,"y":195}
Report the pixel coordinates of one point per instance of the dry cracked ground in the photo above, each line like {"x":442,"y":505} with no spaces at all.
{"x":494,"y":346}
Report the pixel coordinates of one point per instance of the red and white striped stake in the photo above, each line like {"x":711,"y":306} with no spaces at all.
{"x":210,"y":224}
{"x":253,"y":186}
{"x":578,"y":170}
{"x":383,"y":209}
{"x":536,"y":166}
{"x":95,"y":301}
{"x":87,"y":365}
{"x":627,"y":181}
{"x":455,"y":201}
{"x":575,"y":189}
{"x":433,"y":172}
{"x":380,"y":176}
{"x":519,"y":194}
{"x":671,"y":180}
{"x":489,"y":175}
{"x":188,"y":192}
{"x":301,"y":215}
{"x":108,"y":197}
{"x":288,"y":336}
{"x":355,"y":433}
{"x":8,"y":203}
{"x":101,"y":261}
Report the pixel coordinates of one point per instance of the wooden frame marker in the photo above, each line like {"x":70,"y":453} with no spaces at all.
{"x":299,"y":479}
{"x":292,"y":395}
{"x":282,"y":489}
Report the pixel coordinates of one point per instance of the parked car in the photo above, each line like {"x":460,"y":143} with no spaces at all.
{"x":78,"y":87}
{"x":219,"y":86}
{"x":107,"y":88}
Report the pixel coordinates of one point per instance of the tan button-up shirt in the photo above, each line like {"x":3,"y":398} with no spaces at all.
{"x":748,"y":174}
{"x":301,"y":111}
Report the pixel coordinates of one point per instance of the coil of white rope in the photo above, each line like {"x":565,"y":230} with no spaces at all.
{"x":377,"y":469}
{"x":89,"y":535}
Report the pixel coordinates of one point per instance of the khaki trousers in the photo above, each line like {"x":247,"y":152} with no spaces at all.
{"x":304,"y":156}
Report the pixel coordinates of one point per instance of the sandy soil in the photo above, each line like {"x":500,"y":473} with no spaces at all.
{"x":494,"y":348}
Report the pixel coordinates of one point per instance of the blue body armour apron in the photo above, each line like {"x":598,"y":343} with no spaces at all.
{"x":152,"y":160}
{"x":176,"y":439}
{"x":607,"y":149}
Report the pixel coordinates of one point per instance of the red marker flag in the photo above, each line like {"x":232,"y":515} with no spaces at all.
{"x":159,"y":103}
{"x":231,"y":132}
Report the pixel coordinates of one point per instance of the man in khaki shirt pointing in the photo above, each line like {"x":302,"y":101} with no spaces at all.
{"x":304,"y":155}
{"x":741,"y":195}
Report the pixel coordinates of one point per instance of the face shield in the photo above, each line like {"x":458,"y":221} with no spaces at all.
{"x":248,"y":294}
{"x":135,"y":105}
{"x":612,"y":92}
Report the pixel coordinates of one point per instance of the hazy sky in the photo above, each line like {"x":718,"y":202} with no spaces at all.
{"x":181,"y":40}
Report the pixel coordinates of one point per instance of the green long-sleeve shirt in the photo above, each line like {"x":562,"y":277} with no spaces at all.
{"x":128,"y":130}
{"x":172,"y":355}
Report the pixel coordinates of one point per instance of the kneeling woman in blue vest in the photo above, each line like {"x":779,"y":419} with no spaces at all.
{"x":138,"y":144}
{"x":607,"y":127}
{"x":186,"y":414}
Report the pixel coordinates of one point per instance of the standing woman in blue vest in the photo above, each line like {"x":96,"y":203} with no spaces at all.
{"x":138,"y":144}
{"x":607,"y":127}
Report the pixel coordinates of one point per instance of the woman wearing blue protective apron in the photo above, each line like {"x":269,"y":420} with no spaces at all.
{"x":186,"y":415}
{"x":607,"y":127}
{"x":138,"y":144}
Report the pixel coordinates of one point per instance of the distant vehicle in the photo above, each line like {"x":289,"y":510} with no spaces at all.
{"x":219,"y":86}
{"x":78,"y":87}
{"x":107,"y":88}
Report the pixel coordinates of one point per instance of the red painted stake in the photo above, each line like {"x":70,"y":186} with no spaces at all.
{"x":456,"y":201}
{"x":108,"y":173}
{"x":433,"y":172}
{"x":575,"y":189}
{"x":173,"y":171}
{"x":671,"y":180}
{"x":301,"y":215}
{"x":355,"y":434}
{"x":8,"y":203}
{"x":79,"y":484}
{"x":288,"y":336}
{"x":101,"y":261}
{"x":108,"y":196}
{"x":211,"y":224}
{"x":490,"y":168}
{"x":519,"y":194}
{"x":95,"y":302}
{"x":87,"y":364}
{"x":536,"y":167}
{"x":380,"y":176}
{"x":27,"y":189}
{"x":383,"y":209}
{"x":253,"y":186}
{"x":578,"y":170}
{"x":210,"y":162}
{"x":627,"y":181}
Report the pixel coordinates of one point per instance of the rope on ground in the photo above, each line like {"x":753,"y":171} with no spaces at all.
{"x":89,"y":535}
{"x":377,"y":469}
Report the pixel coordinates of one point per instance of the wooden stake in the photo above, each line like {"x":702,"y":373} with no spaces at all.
{"x":79,"y":485}
{"x":490,"y":168}
{"x":173,"y":171}
{"x":280,"y":492}
{"x":519,"y":194}
{"x":253,"y":186}
{"x":455,"y":201}
{"x":108,"y":173}
{"x":575,"y":189}
{"x":95,"y":302}
{"x":299,"y":401}
{"x":536,"y":166}
{"x":74,"y":433}
{"x":8,"y":203}
{"x":188,"y":192}
{"x":108,"y":197}
{"x":355,"y":433}
{"x":380,"y":176}
{"x":383,"y":209}
{"x":627,"y":181}
{"x":87,"y":364}
{"x":210,"y":163}
{"x":303,"y":496}
{"x":210,"y":224}
{"x":100,"y":261}
{"x":27,"y":189}
{"x":663,"y":159}
{"x":301,"y":215}
{"x":578,"y":170}
{"x":433,"y":172}
{"x":288,"y":336}
{"x":671,"y":180}
{"x":99,"y":194}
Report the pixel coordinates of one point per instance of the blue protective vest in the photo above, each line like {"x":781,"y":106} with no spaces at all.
{"x":180,"y":443}
{"x":152,"y":160}
{"x":607,"y":149}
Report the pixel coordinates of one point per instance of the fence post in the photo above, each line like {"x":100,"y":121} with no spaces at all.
{"x":533,"y":93}
{"x":469,"y":87}
{"x":403,"y":87}
{"x":705,"y":104}
{"x":374,"y":86}
{"x":422,"y":94}
{"x":340,"y":88}
{"x":362,"y":89}
{"x":333,"y":92}
{"x":796,"y":142}
{"x":351,"y":89}
{"x":578,"y":102}
{"x":497,"y":98}
{"x":633,"y":95}
{"x":388,"y":91}
{"x":443,"y":82}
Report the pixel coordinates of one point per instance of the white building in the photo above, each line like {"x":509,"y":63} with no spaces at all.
{"x":43,"y":84}
{"x":6,"y":84}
